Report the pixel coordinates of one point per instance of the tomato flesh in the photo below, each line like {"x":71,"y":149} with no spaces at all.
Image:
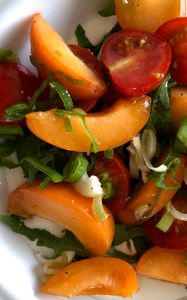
{"x":120,"y":178}
{"x":175,"y":32}
{"x":17,"y":84}
{"x":176,"y":236}
{"x":137,"y":61}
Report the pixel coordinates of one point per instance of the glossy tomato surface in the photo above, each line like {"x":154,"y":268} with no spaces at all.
{"x":176,"y":236}
{"x":119,"y":176}
{"x":17,"y":84}
{"x":137,"y":61}
{"x":174,"y":31}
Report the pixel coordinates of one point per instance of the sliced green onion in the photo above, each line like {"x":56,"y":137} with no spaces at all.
{"x":98,"y":208}
{"x":37,"y":164}
{"x":104,"y":176}
{"x":108,"y":189}
{"x":165,"y":222}
{"x":75,"y":169}
{"x":63,"y":93}
{"x":11,"y":129}
{"x":182,"y":132}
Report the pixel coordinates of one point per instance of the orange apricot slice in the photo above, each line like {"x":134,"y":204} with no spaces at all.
{"x":163,"y":264}
{"x":178,"y":100}
{"x":62,"y":204}
{"x":97,"y":275}
{"x":50,"y":50}
{"x":149,"y":199}
{"x":110,"y":128}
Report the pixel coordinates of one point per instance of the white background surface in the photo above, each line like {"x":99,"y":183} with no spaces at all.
{"x":18,"y":267}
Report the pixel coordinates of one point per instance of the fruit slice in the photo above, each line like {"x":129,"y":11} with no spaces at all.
{"x":97,"y":275}
{"x":62,"y":204}
{"x":50,"y":50}
{"x":110,"y":128}
{"x":163,"y":264}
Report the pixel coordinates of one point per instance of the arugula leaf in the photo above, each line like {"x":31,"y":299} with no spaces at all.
{"x":109,"y":10}
{"x":124,"y":233}
{"x":161,"y":117}
{"x":118,"y":254}
{"x":84,"y":42}
{"x":45,"y":238}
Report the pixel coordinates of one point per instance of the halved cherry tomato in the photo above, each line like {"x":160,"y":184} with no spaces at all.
{"x":120,"y":179}
{"x":137,"y":61}
{"x":174,"y":31}
{"x":176,"y":237}
{"x":17,"y":84}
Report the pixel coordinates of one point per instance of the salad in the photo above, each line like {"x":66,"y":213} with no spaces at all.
{"x":102,"y":144}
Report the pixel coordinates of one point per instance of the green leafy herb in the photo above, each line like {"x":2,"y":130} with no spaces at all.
{"x":118,"y":254}
{"x":8,"y":145}
{"x":124,"y":233}
{"x":109,"y":10}
{"x":160,"y":117}
{"x":11,"y":129}
{"x":45,"y":238}
{"x":63,"y":93}
{"x":8,"y":55}
{"x":84,"y":42}
{"x":17,"y":111}
{"x":40,"y":166}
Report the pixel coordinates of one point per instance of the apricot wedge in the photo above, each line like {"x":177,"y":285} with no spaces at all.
{"x":62,"y":204}
{"x":163,"y":264}
{"x":149,"y":199}
{"x":49,"y":49}
{"x":97,"y":275}
{"x":178,"y":100}
{"x":110,"y":128}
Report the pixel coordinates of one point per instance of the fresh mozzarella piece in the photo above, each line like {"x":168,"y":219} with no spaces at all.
{"x":89,"y":186}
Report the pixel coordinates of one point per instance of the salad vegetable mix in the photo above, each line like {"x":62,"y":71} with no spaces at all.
{"x":101,"y":137}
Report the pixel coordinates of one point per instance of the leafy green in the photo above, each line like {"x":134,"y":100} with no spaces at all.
{"x":45,"y":238}
{"x":160,"y":117}
{"x":118,"y":254}
{"x":84,"y":42}
{"x":108,"y":10}
{"x":124,"y":233}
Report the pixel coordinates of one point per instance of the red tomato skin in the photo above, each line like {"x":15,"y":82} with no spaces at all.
{"x":17,"y":84}
{"x":174,"y":31}
{"x":147,"y":60}
{"x":119,"y":175}
{"x":176,"y":237}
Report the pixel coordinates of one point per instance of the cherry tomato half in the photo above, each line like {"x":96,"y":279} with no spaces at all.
{"x":174,"y":31}
{"x":17,"y":84}
{"x":176,"y":237}
{"x":137,"y":61}
{"x":119,"y":176}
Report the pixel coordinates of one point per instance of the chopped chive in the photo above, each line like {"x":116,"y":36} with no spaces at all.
{"x":17,"y":111}
{"x":63,"y":93}
{"x":11,"y":129}
{"x":44,"y":183}
{"x":75,"y":169}
{"x":165,"y":222}
{"x":98,"y":208}
{"x":61,"y":113}
{"x":39,"y":91}
{"x":40,"y":166}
